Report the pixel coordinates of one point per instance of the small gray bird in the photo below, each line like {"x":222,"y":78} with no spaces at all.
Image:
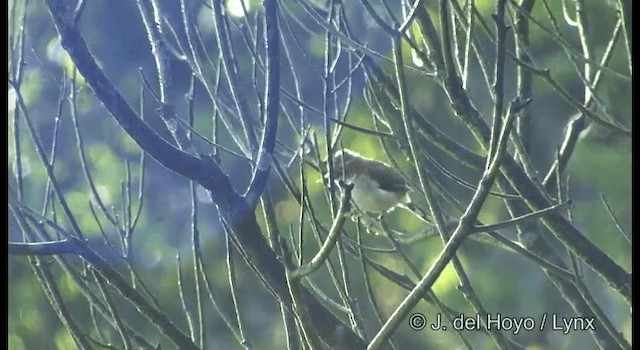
{"x":377,"y":187}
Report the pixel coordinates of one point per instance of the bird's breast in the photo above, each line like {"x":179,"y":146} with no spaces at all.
{"x":368,"y":196}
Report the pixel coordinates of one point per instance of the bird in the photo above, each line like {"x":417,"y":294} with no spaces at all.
{"x":377,"y":187}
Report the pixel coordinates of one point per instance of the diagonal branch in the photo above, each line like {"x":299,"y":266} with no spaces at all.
{"x":272,"y":104}
{"x":207,"y":173}
{"x":232,"y":206}
{"x":536,"y":199}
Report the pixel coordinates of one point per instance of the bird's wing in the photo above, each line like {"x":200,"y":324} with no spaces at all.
{"x":387,"y":178}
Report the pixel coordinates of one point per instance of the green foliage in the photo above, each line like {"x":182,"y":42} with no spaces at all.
{"x":146,"y":257}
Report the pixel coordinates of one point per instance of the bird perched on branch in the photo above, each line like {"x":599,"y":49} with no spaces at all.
{"x":377,"y":187}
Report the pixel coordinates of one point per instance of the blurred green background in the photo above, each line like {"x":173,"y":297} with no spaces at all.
{"x":506,"y":283}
